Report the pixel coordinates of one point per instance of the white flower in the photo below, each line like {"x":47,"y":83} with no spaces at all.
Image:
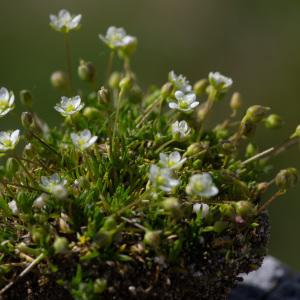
{"x":203,"y":207}
{"x":9,"y":139}
{"x":185,"y":102}
{"x":52,"y":183}
{"x":180,"y":129}
{"x":40,"y":201}
{"x":117,"y":38}
{"x":13,"y":207}
{"x":219,"y":81}
{"x":162,"y":179}
{"x":69,"y":106}
{"x":172,"y":161}
{"x":7,"y":100}
{"x":64,"y":21}
{"x":83,"y":139}
{"x":180,"y":82}
{"x":202,"y":185}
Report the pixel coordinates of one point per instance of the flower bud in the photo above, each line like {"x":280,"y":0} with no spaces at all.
{"x":126,"y":83}
{"x":251,"y":150}
{"x":286,"y":178}
{"x":103,"y":96}
{"x":114,"y":80}
{"x":86,"y":71}
{"x":273,"y":121}
{"x":194,"y":149}
{"x":166,"y":90}
{"x":296,"y":133}
{"x":200,"y":87}
{"x":26,"y":98}
{"x":236,"y":101}
{"x":27,"y":119}
{"x":59,"y":80}
{"x":172,"y":205}
{"x":12,"y":166}
{"x":244,"y":208}
{"x":91,"y":113}
{"x":227,"y":210}
{"x":247,"y":127}
{"x":256,"y":113}
{"x":60,"y":245}
{"x":152,"y":238}
{"x":100,"y":285}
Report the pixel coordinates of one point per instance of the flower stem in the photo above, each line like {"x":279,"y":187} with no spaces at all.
{"x":273,"y":151}
{"x":110,"y":64}
{"x":68,"y":60}
{"x":267,"y":203}
{"x":158,"y":150}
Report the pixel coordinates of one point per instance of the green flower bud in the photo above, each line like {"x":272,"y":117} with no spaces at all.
{"x":103,"y":96}
{"x":60,"y":245}
{"x":152,"y":238}
{"x":59,"y":80}
{"x":114,"y":80}
{"x":200,"y":87}
{"x":273,"y":121}
{"x":27,"y":119}
{"x":286,"y":178}
{"x":227,"y":210}
{"x":172,"y":205}
{"x":236,"y":101}
{"x":195,"y":148}
{"x":12,"y":166}
{"x":100,"y":285}
{"x":86,"y":71}
{"x":126,"y":83}
{"x":244,"y":208}
{"x":26,"y":98}
{"x":110,"y":223}
{"x":91,"y":113}
{"x":251,"y":150}
{"x":256,"y":113}
{"x":166,"y":90}
{"x":296,"y":133}
{"x":247,"y":127}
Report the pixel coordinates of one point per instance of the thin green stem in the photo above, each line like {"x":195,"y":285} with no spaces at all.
{"x":158,"y":150}
{"x":110,"y":64}
{"x":116,"y":122}
{"x":268,"y":202}
{"x":68,"y":60}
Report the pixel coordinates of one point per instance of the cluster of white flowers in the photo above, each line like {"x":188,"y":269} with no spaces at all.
{"x":83,"y":139}
{"x":64,"y":21}
{"x":117,"y":38}
{"x":69,"y":106}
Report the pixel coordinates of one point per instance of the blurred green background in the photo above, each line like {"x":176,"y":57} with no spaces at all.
{"x":255,"y":42}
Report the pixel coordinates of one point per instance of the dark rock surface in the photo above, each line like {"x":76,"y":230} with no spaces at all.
{"x":272,"y":281}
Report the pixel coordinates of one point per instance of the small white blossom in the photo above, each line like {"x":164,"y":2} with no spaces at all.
{"x":64,"y":21}
{"x":69,"y":106}
{"x":203,"y":207}
{"x":13,"y":207}
{"x":40,"y":201}
{"x":52,"y":183}
{"x":162,"y":179}
{"x":185,"y":102}
{"x":180,"y":82}
{"x":180,"y":129}
{"x":202,"y":185}
{"x":219,"y":81}
{"x":117,"y":38}
{"x":9,"y":139}
{"x":83,"y":139}
{"x":7,"y":100}
{"x":172,"y":161}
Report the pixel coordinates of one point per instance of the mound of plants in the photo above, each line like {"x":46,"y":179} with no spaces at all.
{"x":135,"y":195}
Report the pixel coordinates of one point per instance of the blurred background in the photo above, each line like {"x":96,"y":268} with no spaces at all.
{"x":257,"y":43}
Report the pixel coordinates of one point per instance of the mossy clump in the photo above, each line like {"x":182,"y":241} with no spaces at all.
{"x":133,"y":196}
